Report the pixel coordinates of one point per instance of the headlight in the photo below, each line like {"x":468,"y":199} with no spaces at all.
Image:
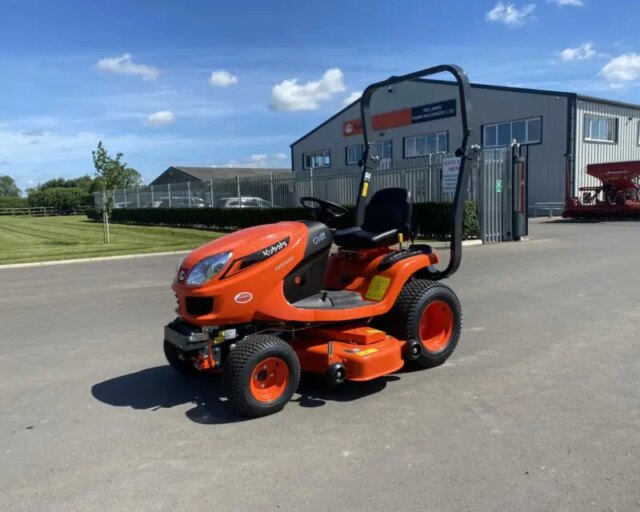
{"x":205,"y":269}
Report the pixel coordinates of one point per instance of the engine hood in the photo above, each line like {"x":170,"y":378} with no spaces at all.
{"x":251,"y":245}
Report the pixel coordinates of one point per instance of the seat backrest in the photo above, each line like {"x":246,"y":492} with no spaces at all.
{"x":389,"y":208}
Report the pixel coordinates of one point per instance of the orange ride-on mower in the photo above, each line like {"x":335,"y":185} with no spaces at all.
{"x":263,"y":304}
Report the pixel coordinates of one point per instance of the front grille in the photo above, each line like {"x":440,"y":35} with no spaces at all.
{"x":199,"y":305}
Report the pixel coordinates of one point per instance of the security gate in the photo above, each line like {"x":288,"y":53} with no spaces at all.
{"x":502,"y":197}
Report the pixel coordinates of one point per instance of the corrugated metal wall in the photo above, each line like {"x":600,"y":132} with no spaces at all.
{"x":546,"y":160}
{"x":626,"y":148}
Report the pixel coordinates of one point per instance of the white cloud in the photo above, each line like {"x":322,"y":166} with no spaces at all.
{"x":124,"y":65}
{"x":351,"y":98}
{"x":161,"y":118}
{"x":509,"y":14}
{"x":575,"y":3}
{"x":222,"y":79}
{"x":258,"y":161}
{"x":624,"y":68}
{"x":291,"y":95}
{"x":583,"y":52}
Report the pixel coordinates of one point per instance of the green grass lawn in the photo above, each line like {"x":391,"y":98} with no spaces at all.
{"x":28,"y":239}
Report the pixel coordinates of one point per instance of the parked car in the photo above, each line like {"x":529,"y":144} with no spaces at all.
{"x":179,"y":202}
{"x":127,"y":204}
{"x":244,"y":202}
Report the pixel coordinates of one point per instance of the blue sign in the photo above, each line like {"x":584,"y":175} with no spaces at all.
{"x":433,"y":111}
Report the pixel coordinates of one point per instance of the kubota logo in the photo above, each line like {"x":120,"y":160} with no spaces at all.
{"x":243,"y":297}
{"x":270,"y":251}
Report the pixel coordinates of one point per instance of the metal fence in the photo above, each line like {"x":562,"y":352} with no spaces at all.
{"x":422,"y":176}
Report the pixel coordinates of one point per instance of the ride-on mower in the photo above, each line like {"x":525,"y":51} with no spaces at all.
{"x":263,"y":304}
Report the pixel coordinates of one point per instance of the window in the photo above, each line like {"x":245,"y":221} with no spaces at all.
{"x":524,"y":131}
{"x":354,"y":154}
{"x":422,"y":145}
{"x":382,"y":149}
{"x":316,"y":159}
{"x":601,"y":129}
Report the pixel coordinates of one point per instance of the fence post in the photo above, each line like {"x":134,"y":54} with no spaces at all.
{"x":125,"y":197}
{"x":152,"y":198}
{"x":169,"y":192}
{"x":311,"y":180}
{"x":238,"y":186}
{"x":271,"y":184}
{"x":189,"y":192}
{"x":211,"y":188}
{"x":138,"y":196}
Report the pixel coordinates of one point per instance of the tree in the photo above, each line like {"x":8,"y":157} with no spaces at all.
{"x":85,"y":183}
{"x":111,"y":173}
{"x":8,"y":187}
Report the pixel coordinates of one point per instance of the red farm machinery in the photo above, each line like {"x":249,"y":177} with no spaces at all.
{"x":617,"y":196}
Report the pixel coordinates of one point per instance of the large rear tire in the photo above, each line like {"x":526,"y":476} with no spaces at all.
{"x":261,"y":374}
{"x":430,"y":312}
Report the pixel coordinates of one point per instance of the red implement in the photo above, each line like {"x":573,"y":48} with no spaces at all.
{"x":617,"y":196}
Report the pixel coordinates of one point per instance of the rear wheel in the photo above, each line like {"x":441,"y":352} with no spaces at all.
{"x":430,"y":312}
{"x":173,"y":355}
{"x":261,"y":374}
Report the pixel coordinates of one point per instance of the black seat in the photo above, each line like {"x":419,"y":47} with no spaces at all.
{"x":387,"y":214}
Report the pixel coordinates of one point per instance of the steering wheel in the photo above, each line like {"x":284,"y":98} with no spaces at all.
{"x":323,"y":211}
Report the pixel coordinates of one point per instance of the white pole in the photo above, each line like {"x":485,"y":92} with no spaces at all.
{"x":271,"y":184}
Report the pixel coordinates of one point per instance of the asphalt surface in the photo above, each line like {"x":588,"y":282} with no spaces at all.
{"x":538,"y":408}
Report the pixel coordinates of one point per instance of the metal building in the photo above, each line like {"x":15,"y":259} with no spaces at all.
{"x":562,"y":132}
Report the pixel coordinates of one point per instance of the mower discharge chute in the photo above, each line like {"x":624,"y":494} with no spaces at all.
{"x":263,"y":304}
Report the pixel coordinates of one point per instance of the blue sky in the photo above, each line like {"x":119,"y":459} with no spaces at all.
{"x":214,"y":82}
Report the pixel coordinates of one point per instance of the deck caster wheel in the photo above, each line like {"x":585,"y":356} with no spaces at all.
{"x":412,"y":350}
{"x":336,"y":374}
{"x":429,"y":312}
{"x":261,"y":374}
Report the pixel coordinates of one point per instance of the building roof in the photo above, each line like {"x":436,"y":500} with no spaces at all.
{"x":486,"y":86}
{"x":221,"y":173}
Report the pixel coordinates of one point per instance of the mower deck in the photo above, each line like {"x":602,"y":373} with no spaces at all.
{"x":366,"y":353}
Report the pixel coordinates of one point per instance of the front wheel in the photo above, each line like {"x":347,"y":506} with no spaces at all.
{"x":261,"y":374}
{"x":430,"y":312}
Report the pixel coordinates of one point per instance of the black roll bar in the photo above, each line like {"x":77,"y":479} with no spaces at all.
{"x":368,"y":165}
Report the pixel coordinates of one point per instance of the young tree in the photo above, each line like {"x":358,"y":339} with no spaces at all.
{"x":111,"y":173}
{"x":8,"y":187}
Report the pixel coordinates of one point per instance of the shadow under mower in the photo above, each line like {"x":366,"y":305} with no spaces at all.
{"x":263,"y":304}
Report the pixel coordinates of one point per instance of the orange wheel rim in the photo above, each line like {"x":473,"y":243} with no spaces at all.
{"x":269,"y":379}
{"x":436,"y":326}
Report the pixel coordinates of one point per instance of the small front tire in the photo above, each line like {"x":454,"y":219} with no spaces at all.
{"x":261,"y":374}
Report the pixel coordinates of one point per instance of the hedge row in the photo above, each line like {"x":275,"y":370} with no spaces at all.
{"x":432,"y":220}
{"x":64,"y":199}
{"x":14,"y":202}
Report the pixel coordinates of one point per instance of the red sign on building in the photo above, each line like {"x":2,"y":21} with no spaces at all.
{"x":403,"y":117}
